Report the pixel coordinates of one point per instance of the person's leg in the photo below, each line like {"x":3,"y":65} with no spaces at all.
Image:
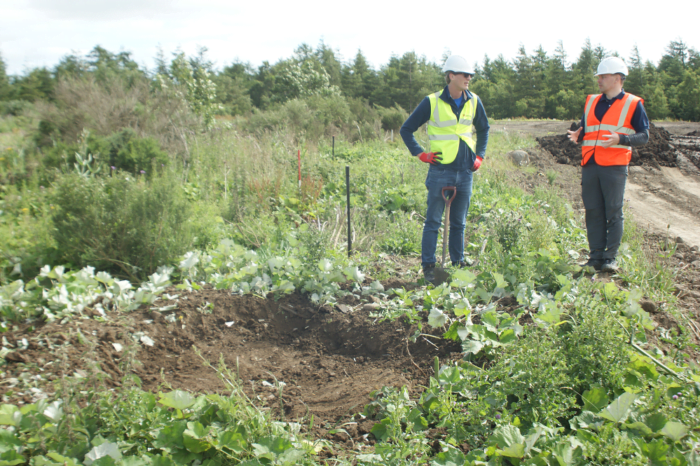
{"x":458,"y":215}
{"x":436,"y":180}
{"x":612,"y":182}
{"x":593,"y":201}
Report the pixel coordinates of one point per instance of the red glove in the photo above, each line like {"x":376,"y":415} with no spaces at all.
{"x":432,"y":158}
{"x":477,"y":163}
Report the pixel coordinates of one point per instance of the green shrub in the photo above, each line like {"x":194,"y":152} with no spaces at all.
{"x":15,"y":107}
{"x":393,"y":117}
{"x":124,"y":225}
{"x":123,"y":150}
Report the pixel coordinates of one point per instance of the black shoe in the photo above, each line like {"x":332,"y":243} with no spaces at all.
{"x":597,"y":264}
{"x":429,"y":272}
{"x":460,"y":265}
{"x":609,"y":266}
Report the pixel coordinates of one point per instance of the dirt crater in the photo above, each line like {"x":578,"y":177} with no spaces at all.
{"x":289,"y":355}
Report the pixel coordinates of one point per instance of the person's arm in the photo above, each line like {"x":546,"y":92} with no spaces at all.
{"x":417,"y":119}
{"x":482,"y":127}
{"x":640,"y":123}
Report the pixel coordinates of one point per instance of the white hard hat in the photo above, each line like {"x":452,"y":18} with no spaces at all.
{"x":612,"y":65}
{"x":457,"y":64}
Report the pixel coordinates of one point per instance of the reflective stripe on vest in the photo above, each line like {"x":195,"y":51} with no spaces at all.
{"x":618,"y":119}
{"x":445,"y":131}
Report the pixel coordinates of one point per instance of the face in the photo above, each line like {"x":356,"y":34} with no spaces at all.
{"x":461,"y":80}
{"x":607,"y":82}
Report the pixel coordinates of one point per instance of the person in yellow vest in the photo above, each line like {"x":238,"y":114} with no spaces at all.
{"x":458,"y":131}
{"x":613,"y":122}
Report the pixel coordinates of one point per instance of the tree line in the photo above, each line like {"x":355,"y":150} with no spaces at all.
{"x":531,"y":85}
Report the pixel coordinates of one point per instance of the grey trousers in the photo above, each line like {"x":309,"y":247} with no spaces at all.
{"x":603,"y":193}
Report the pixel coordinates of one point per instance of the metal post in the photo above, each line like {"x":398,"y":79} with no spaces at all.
{"x":347,"y":190}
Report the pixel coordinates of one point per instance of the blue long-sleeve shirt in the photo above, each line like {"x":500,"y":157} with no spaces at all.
{"x":465,"y":156}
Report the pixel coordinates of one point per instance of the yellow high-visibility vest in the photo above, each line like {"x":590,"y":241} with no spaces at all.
{"x":445,"y":131}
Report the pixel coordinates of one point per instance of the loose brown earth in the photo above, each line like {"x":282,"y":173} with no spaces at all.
{"x":323,"y":361}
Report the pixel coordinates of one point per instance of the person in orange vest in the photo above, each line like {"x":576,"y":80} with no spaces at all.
{"x":613,"y":122}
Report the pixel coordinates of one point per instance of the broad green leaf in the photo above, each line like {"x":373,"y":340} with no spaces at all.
{"x":507,"y":436}
{"x":177,"y":399}
{"x":233,"y":440}
{"x":639,"y":428}
{"x":451,"y":457}
{"x":674,"y":430}
{"x":463,"y":275}
{"x":9,"y":415}
{"x":290,"y":457}
{"x":656,"y":452}
{"x":416,"y":419}
{"x":170,"y":436}
{"x":595,"y":399}
{"x":490,"y":320}
{"x":54,"y":411}
{"x":106,"y":449}
{"x":586,"y":420}
{"x":513,"y":451}
{"x":618,"y":410}
{"x":507,"y":336}
{"x":436,"y":318}
{"x":500,"y":282}
{"x":656,"y":422}
{"x":195,"y":438}
{"x":380,"y":431}
{"x":8,"y":441}
{"x":430,"y":400}
{"x":644,"y":366}
{"x":472,"y":346}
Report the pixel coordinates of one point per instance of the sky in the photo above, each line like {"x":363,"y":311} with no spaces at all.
{"x":36,"y":33}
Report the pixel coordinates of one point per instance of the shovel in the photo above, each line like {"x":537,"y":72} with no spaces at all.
{"x":441,"y":275}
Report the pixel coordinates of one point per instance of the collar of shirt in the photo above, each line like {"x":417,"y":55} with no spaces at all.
{"x":604,"y":98}
{"x":448,"y":98}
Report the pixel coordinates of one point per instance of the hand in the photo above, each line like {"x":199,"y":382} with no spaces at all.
{"x":432,"y":158}
{"x":477,"y":163}
{"x":612,"y":139}
{"x":573,"y":135}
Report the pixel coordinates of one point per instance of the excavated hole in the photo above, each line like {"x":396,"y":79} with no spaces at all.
{"x":329,"y":361}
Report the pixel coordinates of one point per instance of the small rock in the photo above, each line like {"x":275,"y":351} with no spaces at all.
{"x":375,"y":299}
{"x":649,"y":306}
{"x":694,"y":248}
{"x":696,"y":264}
{"x":563,"y":160}
{"x":370,"y":307}
{"x":519,"y":157}
{"x":679,"y":240}
{"x":343,"y":308}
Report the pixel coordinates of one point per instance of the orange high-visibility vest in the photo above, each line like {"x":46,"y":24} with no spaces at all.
{"x":617,"y":119}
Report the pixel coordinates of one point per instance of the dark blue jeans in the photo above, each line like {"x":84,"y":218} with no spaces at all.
{"x":603,"y":193}
{"x":436,"y":180}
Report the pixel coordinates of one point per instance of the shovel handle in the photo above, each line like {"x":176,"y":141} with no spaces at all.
{"x":448,"y":200}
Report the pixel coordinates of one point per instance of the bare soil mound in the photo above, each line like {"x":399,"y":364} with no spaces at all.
{"x":329,"y":360}
{"x":658,"y":152}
